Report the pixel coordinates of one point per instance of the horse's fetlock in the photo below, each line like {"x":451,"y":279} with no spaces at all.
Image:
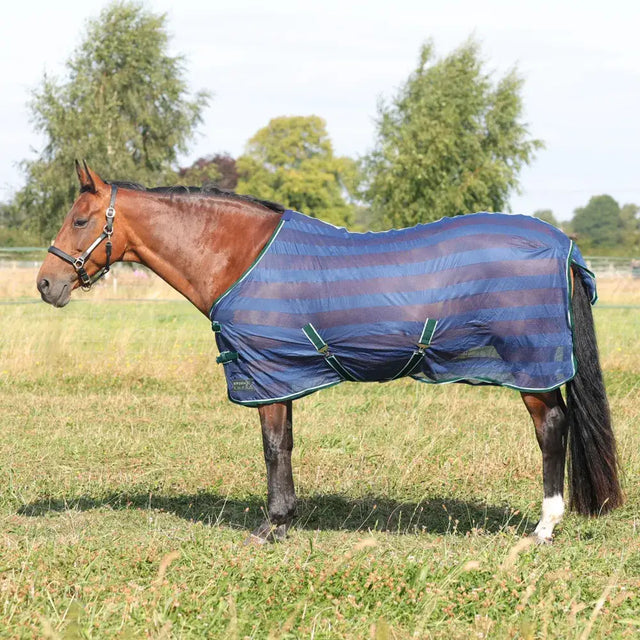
{"x":282,"y":510}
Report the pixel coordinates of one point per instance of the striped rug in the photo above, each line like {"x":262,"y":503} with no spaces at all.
{"x":479,"y":298}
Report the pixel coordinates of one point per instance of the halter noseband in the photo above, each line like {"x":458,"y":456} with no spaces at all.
{"x":78,"y":263}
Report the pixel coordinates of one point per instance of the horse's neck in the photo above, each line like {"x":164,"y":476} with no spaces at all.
{"x":199,"y":246}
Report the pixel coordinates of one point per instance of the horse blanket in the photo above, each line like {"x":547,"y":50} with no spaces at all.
{"x":481,"y":298}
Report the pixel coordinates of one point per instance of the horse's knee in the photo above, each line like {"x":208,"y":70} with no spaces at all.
{"x":275,"y":454}
{"x":554,"y":429}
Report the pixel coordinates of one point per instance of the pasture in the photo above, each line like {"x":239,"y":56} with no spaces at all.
{"x":129,"y":483}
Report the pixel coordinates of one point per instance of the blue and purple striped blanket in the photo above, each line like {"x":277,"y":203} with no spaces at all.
{"x":480,"y":298}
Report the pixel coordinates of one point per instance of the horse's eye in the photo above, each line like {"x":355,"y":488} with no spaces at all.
{"x":80,"y":222}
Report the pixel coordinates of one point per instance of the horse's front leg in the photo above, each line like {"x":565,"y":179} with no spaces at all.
{"x":277,"y":440}
{"x":548,"y":413}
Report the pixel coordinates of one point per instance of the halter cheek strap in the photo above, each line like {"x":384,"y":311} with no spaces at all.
{"x":78,"y":263}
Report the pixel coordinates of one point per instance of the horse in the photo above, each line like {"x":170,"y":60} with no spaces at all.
{"x":217,"y":249}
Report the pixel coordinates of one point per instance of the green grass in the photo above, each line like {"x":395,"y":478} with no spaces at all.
{"x":129,"y":483}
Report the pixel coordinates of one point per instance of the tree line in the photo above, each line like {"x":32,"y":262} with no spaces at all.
{"x":602,"y":226}
{"x":451,"y":141}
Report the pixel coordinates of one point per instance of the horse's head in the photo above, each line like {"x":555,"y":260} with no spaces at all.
{"x":84,"y":245}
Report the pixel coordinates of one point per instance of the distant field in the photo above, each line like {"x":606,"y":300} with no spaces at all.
{"x":129,"y":482}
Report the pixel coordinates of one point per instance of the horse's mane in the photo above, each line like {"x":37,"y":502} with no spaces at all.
{"x":207,"y":191}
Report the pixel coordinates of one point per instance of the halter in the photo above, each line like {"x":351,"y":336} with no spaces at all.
{"x":78,"y":263}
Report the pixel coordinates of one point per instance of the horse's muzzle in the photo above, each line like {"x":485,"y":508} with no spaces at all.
{"x":54,"y":292}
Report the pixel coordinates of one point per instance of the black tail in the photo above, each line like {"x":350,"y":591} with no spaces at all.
{"x":593,"y":464}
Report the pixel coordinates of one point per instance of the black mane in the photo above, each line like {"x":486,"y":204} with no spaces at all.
{"x":207,"y":191}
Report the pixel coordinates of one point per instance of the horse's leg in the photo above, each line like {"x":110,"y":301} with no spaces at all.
{"x":277,"y":440}
{"x":548,"y":413}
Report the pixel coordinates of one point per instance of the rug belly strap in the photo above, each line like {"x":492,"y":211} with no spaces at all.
{"x":423,"y":344}
{"x":323,"y":348}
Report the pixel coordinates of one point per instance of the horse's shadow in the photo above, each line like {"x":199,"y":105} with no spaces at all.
{"x":436,"y":515}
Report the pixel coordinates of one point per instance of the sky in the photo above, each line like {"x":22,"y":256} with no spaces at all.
{"x":580,"y":62}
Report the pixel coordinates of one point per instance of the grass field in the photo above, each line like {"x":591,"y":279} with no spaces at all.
{"x":129,"y":483}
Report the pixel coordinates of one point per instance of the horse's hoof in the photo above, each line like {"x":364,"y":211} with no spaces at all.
{"x":279,"y":533}
{"x":255,"y":540}
{"x":541,"y":540}
{"x":267,"y":532}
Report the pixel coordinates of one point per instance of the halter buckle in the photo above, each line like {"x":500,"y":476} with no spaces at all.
{"x":78,"y":263}
{"x":110,"y":214}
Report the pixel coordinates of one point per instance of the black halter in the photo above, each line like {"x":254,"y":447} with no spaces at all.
{"x":78,"y":263}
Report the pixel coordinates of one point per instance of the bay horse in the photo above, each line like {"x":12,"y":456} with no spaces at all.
{"x":219,"y":250}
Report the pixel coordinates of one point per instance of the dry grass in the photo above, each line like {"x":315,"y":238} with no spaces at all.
{"x":619,"y":291}
{"x":124,"y":282}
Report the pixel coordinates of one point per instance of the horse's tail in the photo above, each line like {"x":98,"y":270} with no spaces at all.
{"x":593,"y":464}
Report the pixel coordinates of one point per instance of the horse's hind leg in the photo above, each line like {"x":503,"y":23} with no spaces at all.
{"x":548,"y":413}
{"x":277,"y":440}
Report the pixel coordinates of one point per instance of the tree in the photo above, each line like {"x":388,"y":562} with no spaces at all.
{"x":219,"y":170}
{"x":10,"y":216}
{"x":124,"y":106}
{"x":547,"y":216}
{"x":599,"y":224}
{"x":450,"y":141}
{"x":13,"y":232}
{"x":629,"y":216}
{"x":291,"y":161}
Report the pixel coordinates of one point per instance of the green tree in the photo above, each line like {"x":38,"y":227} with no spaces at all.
{"x":13,"y":231}
{"x":547,"y":216}
{"x":291,"y":161}
{"x":599,"y":225}
{"x":629,"y":217}
{"x":124,"y":106}
{"x":450,"y":142}
{"x":10,"y":216}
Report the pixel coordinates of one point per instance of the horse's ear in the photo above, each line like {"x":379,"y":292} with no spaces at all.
{"x":89,"y":180}
{"x":86,"y":183}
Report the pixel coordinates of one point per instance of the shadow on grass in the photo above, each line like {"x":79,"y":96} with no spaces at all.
{"x":437,"y":515}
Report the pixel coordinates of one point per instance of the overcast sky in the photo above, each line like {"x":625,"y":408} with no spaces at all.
{"x":580,"y":61}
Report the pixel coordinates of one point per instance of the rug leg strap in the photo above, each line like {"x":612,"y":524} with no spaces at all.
{"x":416,"y":357}
{"x":323,"y":348}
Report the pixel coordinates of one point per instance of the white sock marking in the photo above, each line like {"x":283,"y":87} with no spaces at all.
{"x":552,"y":512}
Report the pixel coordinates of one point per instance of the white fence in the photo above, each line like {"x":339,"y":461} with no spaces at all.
{"x":21,"y":257}
{"x":613,"y":267}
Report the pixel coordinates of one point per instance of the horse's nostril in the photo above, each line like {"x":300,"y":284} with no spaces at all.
{"x":43,"y":285}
